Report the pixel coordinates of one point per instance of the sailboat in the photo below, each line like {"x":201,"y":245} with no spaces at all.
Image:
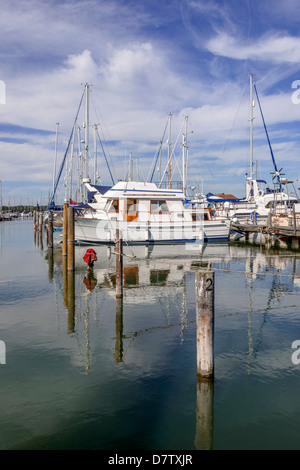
{"x":260,"y":199}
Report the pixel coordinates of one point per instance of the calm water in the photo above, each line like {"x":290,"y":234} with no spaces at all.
{"x":83,"y":371}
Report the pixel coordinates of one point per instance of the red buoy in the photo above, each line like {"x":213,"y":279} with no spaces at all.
{"x":90,"y":257}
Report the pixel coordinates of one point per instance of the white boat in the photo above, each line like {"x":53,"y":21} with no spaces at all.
{"x":145,"y":214}
{"x":260,"y":200}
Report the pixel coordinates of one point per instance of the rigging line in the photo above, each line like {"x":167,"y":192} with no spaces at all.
{"x":172,"y":155}
{"x":238,"y":109}
{"x":262,"y":116}
{"x":65,"y":155}
{"x":112,"y":178}
{"x":158,"y":152}
{"x":101,"y":127}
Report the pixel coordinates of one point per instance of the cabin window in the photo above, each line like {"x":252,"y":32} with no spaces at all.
{"x":131,"y":209}
{"x":159,"y":207}
{"x":112,"y":205}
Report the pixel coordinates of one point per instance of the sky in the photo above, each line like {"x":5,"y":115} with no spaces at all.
{"x":144,"y":61}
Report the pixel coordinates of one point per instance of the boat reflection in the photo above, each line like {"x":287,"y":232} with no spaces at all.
{"x":163,"y":274}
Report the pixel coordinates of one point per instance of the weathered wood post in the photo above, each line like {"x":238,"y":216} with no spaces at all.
{"x":205,"y":323}
{"x":40,"y":222}
{"x":119,"y":265}
{"x":50,"y":230}
{"x":65,"y":230}
{"x":71,"y":240}
{"x":36,"y":218}
{"x":294,"y":220}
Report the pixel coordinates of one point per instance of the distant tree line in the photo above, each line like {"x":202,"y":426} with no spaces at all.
{"x":21,"y":208}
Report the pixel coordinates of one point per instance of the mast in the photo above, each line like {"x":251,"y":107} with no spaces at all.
{"x":80,"y":165}
{"x":95,"y":153}
{"x":169,"y":151}
{"x":251,"y":125}
{"x":184,"y":155}
{"x":55,"y":157}
{"x":130,"y":169}
{"x":71,"y":168}
{"x":86,"y":138}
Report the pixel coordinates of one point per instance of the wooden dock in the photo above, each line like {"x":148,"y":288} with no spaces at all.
{"x":265,"y":234}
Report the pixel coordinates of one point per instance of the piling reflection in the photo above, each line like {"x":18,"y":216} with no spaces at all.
{"x":119,"y":331}
{"x":71,"y":301}
{"x":204,"y":436}
{"x":151,"y":279}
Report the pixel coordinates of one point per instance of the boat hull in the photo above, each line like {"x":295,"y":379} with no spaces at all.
{"x":95,"y":231}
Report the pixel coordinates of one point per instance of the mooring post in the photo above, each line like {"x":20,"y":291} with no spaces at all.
{"x":119,"y":265}
{"x":40,"y":222}
{"x":71,"y":240}
{"x":50,"y":230}
{"x":205,"y":323}
{"x":294,"y":220}
{"x":65,"y":229}
{"x":36,"y":218}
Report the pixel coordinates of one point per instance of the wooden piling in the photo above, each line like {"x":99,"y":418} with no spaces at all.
{"x":71,"y":239}
{"x":119,"y":265}
{"x":50,"y":230}
{"x":65,"y":230}
{"x":294,"y":220}
{"x":205,"y":323}
{"x":40,"y":222}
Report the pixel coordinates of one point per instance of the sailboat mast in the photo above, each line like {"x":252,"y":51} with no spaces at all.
{"x":251,"y":125}
{"x":184,"y":156}
{"x":95,"y":153}
{"x":86,"y":138}
{"x":169,"y":151}
{"x":55,"y":158}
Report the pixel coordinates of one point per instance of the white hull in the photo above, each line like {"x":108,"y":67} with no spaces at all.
{"x":97,"y":231}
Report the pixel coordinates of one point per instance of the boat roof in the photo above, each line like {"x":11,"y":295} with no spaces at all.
{"x":142,"y":190}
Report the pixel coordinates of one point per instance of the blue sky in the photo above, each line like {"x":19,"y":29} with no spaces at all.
{"x":145,"y":60}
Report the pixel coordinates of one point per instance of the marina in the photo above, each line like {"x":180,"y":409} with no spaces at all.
{"x":150,"y":228}
{"x":85,"y":370}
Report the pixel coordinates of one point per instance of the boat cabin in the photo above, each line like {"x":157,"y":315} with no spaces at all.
{"x":136,"y":201}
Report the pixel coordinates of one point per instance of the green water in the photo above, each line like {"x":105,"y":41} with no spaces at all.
{"x":84,"y":371}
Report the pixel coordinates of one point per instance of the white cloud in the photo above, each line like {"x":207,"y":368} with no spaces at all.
{"x":273,"y":48}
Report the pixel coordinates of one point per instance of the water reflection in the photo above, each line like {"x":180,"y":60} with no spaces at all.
{"x":154,"y":274}
{"x":204,"y":435}
{"x":253,"y":284}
